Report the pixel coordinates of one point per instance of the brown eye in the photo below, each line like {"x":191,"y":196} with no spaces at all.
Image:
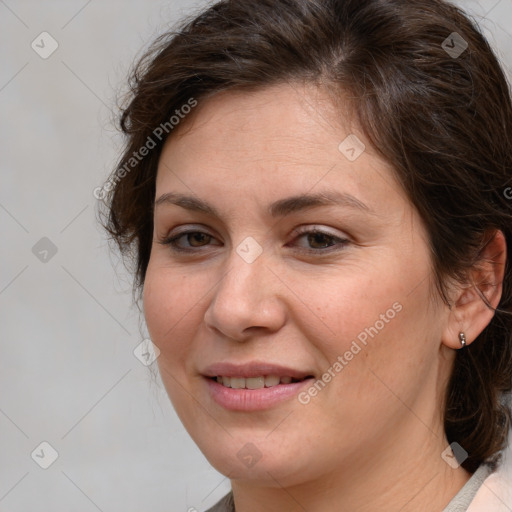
{"x":194,"y":239}
{"x":319,"y":241}
{"x":197,"y":236}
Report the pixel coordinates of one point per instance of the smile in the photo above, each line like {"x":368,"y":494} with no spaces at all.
{"x":266,"y":381}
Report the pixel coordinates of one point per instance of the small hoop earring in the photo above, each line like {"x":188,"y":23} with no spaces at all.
{"x":462,"y":338}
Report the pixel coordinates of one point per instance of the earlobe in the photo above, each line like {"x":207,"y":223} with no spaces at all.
{"x":476,"y":302}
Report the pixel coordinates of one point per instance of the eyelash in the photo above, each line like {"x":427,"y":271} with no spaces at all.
{"x":171,"y":241}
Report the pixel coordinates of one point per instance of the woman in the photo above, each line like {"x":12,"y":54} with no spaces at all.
{"x":315,"y":195}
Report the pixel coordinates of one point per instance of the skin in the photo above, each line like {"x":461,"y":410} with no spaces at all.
{"x":372,"y":438}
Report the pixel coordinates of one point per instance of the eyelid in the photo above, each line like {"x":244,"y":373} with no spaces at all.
{"x":340,"y":240}
{"x":318,"y":228}
{"x":304,"y":228}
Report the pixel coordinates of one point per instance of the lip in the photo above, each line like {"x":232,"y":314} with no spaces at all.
{"x":253,"y":369}
{"x":253,"y":399}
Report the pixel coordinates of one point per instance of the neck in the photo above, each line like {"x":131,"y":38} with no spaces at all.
{"x":405,"y":473}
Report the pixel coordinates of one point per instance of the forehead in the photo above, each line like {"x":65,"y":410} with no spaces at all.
{"x":280,"y":139}
{"x":272,"y":119}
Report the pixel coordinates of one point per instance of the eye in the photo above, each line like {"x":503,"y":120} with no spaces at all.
{"x":194,"y":238}
{"x":319,"y":241}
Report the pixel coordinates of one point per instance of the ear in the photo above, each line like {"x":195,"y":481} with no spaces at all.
{"x":469,"y":313}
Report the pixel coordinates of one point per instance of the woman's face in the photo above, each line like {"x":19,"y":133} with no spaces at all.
{"x":253,"y":289}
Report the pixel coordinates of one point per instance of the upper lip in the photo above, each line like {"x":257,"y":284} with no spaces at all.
{"x":253,"y":369}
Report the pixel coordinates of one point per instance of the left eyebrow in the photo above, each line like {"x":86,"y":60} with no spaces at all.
{"x":302,"y":202}
{"x":280,"y":208}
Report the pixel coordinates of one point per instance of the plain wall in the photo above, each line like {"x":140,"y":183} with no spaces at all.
{"x":68,"y":375}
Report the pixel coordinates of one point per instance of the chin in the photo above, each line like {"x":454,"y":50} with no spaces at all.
{"x":272,"y":468}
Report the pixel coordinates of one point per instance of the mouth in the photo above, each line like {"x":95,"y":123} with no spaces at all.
{"x":255,"y":385}
{"x":251,"y":394}
{"x":259,"y":382}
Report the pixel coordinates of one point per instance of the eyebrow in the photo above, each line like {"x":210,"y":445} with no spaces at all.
{"x":280,"y":208}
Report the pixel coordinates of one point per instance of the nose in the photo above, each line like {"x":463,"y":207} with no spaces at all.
{"x":248,"y":301}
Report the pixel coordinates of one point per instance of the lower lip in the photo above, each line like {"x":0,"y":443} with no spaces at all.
{"x":253,"y":399}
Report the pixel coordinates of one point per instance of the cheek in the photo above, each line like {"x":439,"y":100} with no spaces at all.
{"x":374,"y":320}
{"x":172,"y":311}
{"x":171,"y":308}
{"x":361,"y":305}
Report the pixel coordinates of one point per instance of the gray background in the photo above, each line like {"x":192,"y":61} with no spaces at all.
{"x":68,"y":375}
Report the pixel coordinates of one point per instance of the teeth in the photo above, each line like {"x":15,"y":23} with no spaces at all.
{"x":255,"y":382}
{"x":271,"y":380}
{"x":267,"y":381}
{"x":237,"y":382}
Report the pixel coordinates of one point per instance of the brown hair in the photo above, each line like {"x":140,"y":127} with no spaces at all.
{"x":444,"y":122}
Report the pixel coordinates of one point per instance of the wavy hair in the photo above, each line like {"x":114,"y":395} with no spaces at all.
{"x":438,"y":111}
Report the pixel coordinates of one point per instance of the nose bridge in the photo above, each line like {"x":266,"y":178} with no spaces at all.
{"x":245,"y":297}
{"x":244,"y":280}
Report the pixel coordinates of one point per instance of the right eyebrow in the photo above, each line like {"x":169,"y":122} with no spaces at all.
{"x":280,"y":208}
